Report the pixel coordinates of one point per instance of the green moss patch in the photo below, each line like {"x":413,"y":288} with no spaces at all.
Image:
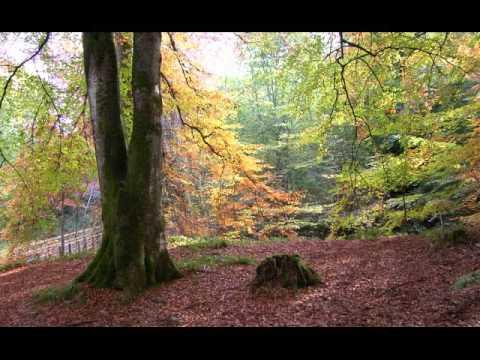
{"x":202,"y":262}
{"x":56,"y":294}
{"x":467,"y":280}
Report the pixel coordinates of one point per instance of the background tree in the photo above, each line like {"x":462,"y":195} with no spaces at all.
{"x":391,"y":108}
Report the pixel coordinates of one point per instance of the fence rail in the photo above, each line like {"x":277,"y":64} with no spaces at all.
{"x":82,"y":240}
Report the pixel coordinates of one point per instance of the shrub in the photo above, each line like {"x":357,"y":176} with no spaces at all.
{"x":344,"y":225}
{"x":448,"y":235}
{"x":370,"y":233}
{"x":313,"y":229}
{"x":278,"y":230}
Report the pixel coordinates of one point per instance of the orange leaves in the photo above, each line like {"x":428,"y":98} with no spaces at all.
{"x":362,"y":131}
{"x":209,"y":191}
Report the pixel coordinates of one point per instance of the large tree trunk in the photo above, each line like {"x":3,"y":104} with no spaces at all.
{"x":143,"y":194}
{"x":110,"y":151}
{"x":133,"y":254}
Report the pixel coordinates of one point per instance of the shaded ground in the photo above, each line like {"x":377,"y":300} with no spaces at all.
{"x":391,"y":282}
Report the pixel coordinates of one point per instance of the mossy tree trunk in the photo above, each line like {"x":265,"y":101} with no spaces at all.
{"x":133,"y":254}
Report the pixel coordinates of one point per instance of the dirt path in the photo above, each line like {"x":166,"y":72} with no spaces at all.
{"x":390,"y":282}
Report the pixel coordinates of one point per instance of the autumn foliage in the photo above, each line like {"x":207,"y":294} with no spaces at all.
{"x":214,"y":184}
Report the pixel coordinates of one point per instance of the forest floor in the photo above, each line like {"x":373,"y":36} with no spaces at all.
{"x":398,"y":281}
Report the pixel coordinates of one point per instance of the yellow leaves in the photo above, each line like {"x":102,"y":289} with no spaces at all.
{"x":55,"y":162}
{"x":469,"y":56}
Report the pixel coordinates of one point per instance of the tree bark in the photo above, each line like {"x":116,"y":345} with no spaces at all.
{"x":133,"y":254}
{"x":110,"y":150}
{"x":143,"y":194}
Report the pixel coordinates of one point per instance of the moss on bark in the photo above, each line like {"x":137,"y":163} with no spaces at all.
{"x":165,"y":268}
{"x":133,"y":254}
{"x":101,"y":272}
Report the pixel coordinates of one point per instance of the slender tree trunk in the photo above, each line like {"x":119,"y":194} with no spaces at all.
{"x":62,"y":226}
{"x":133,"y":254}
{"x":124,"y":63}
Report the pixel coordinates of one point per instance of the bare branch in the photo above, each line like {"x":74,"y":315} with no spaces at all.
{"x":337,"y":92}
{"x":5,"y":160}
{"x":373,"y":72}
{"x":82,"y":111}
{"x":243,"y":39}
{"x":19,"y":66}
{"x":342,"y":40}
{"x":397,"y":48}
{"x":444,"y":41}
{"x":4,"y":94}
{"x":185,"y":72}
{"x":193,"y":127}
{"x":350,"y":44}
{"x":32,"y":131}
{"x":49,"y":96}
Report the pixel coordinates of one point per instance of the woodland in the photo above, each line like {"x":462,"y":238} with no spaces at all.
{"x":333,"y":181}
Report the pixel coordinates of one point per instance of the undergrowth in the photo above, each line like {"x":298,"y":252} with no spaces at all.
{"x":197,"y":244}
{"x":201,"y":243}
{"x":78,"y":255}
{"x":449,"y":235}
{"x":467,"y":280}
{"x":12,"y":265}
{"x":57,"y":294}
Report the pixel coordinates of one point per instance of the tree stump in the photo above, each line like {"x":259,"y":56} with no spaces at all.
{"x":286,"y":271}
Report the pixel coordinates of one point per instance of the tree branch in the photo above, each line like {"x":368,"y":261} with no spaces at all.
{"x":5,"y":160}
{"x":350,"y":44}
{"x":185,"y":73}
{"x":193,"y":127}
{"x":19,"y":66}
{"x":4,"y":94}
{"x":373,"y":72}
{"x":246,"y":42}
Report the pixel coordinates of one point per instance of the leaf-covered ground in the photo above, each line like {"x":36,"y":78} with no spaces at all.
{"x":391,"y":282}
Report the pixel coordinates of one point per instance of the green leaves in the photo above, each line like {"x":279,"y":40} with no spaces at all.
{"x":45,"y":136}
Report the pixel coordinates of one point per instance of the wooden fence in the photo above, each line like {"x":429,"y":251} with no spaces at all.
{"x":82,"y":240}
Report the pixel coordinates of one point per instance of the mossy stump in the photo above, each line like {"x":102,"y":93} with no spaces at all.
{"x":287,"y":271}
